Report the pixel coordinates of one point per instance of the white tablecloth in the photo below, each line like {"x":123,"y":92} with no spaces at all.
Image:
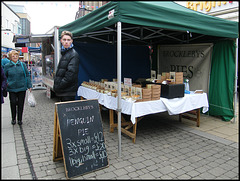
{"x":173,"y":106}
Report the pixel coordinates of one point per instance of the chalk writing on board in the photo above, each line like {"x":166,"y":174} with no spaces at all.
{"x":79,"y":108}
{"x":91,"y":147}
{"x":82,"y":120}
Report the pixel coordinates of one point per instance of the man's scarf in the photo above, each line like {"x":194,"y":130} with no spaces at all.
{"x":65,"y":49}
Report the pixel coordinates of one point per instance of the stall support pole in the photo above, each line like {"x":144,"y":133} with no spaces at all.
{"x":57,"y":48}
{"x":119,"y":60}
{"x":236,"y":80}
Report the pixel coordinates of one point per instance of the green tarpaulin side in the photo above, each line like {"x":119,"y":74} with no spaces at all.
{"x":221,"y":88}
{"x":161,"y":14}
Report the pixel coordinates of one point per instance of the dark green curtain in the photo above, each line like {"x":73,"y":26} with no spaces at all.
{"x":221,"y":88}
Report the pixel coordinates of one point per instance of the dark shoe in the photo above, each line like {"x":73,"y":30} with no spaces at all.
{"x":13,"y":122}
{"x":19,"y":122}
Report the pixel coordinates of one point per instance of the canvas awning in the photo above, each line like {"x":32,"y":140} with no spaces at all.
{"x":165,"y":15}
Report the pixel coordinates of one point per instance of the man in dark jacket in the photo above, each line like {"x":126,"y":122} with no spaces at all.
{"x":66,"y":78}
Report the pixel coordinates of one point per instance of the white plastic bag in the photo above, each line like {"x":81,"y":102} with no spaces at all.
{"x":31,"y":99}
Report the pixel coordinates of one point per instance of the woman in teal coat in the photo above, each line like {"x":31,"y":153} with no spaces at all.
{"x":18,"y":81}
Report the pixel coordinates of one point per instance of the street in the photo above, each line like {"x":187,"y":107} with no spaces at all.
{"x":165,"y":148}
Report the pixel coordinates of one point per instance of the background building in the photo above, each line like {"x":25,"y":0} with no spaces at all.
{"x":24,"y":28}
{"x":223,"y":9}
{"x":86,"y":7}
{"x":10,"y":25}
{"x":25,"y":21}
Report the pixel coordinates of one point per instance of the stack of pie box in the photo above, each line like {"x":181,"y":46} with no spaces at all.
{"x":179,"y":78}
{"x":156,"y":91}
{"x":151,"y":92}
{"x":146,"y":94}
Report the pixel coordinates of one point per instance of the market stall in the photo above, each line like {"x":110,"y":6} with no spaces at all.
{"x":149,"y":23}
{"x":137,"y":110}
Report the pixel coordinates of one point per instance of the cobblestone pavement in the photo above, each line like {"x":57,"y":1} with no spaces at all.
{"x":162,"y":150}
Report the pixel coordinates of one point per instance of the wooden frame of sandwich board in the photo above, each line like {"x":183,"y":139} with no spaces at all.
{"x":57,"y":146}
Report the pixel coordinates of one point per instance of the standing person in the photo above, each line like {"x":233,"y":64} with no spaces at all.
{"x":3,"y":84}
{"x":4,"y":60}
{"x":18,"y":80}
{"x":66,"y":78}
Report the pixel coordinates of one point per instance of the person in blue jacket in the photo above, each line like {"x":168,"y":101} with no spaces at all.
{"x":18,"y":81}
{"x":4,"y":60}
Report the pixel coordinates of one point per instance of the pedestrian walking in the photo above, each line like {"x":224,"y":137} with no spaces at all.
{"x":4,"y":60}
{"x":18,"y":81}
{"x":66,"y":78}
{"x":3,"y":84}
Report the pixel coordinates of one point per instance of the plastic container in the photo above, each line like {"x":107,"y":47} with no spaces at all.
{"x":186,"y":83}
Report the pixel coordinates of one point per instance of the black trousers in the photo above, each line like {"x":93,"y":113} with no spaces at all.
{"x":17,"y":104}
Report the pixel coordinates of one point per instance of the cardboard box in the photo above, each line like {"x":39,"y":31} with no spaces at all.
{"x":146,"y":91}
{"x":156,"y":86}
{"x":147,"y":97}
{"x":156,"y":95}
{"x":156,"y":91}
{"x":177,"y":74}
{"x":172,"y":90}
{"x":146,"y":94}
{"x":179,"y":82}
{"x":179,"y":78}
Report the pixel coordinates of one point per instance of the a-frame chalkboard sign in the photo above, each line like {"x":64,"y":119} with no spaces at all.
{"x":78,"y":137}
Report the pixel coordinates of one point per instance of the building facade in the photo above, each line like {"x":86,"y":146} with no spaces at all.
{"x":223,"y":9}
{"x":10,"y":25}
{"x":86,"y":7}
{"x":25,"y":21}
